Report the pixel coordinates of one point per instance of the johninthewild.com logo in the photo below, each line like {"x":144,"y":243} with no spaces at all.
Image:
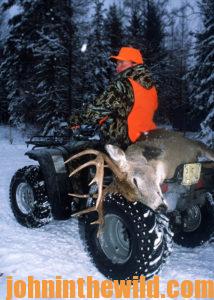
{"x":90,"y":287}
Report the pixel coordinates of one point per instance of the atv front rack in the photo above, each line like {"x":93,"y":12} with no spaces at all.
{"x":83,"y":133}
{"x":48,"y":141}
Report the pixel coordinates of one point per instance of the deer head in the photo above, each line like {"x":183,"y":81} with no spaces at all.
{"x":134,"y":178}
{"x":141,"y":181}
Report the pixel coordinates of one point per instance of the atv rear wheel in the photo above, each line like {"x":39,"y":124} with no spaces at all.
{"x":28,"y":197}
{"x":198,"y":224}
{"x":134,"y":240}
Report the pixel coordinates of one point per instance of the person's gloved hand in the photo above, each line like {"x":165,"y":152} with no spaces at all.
{"x":75,"y":129}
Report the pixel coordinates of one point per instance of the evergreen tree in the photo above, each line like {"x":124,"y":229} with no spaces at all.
{"x":79,"y":67}
{"x":4,"y":116}
{"x":113,"y":34}
{"x":153,"y":35}
{"x":54,"y":74}
{"x":37,"y":62}
{"x":202,"y":96}
{"x":173,"y":99}
{"x":96,"y":56}
{"x":3,"y":34}
{"x":2,"y":94}
{"x":134,"y":35}
{"x":155,"y":54}
{"x":175,"y":104}
{"x":134,"y":15}
{"x":114,"y":28}
{"x":11,"y":68}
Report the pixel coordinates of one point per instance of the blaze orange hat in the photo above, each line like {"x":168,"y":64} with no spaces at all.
{"x":128,"y":53}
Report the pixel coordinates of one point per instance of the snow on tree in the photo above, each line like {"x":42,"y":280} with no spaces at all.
{"x":202,"y":96}
{"x":5,"y":16}
{"x":8,"y":9}
{"x":54,"y":49}
{"x":12,"y":68}
{"x":37,"y":60}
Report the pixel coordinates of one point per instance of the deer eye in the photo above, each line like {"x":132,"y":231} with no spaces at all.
{"x":135,"y":182}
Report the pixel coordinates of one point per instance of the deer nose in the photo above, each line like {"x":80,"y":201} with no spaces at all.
{"x":162,"y":208}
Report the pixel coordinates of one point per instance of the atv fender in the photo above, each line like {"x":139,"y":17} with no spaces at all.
{"x":51,"y":161}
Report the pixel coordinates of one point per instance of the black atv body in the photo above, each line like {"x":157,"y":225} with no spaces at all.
{"x":51,"y":153}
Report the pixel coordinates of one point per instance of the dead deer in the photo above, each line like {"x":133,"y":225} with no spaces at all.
{"x":142,"y":168}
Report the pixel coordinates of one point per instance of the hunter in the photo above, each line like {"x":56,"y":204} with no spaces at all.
{"x":126,"y":109}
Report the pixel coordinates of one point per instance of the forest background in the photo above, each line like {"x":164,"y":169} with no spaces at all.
{"x":54,"y":58}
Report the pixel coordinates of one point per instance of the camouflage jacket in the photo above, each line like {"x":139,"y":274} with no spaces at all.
{"x":116,"y":103}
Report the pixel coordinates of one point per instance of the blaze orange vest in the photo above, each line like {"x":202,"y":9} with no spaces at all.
{"x":140,"y":119}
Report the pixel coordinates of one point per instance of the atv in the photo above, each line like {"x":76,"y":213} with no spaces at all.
{"x":134,"y":240}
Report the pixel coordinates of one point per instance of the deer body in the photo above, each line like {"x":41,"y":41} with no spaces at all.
{"x":142,"y":168}
{"x":151,"y":160}
{"x":167,"y":150}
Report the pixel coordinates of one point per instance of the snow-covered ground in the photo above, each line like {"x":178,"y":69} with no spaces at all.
{"x":56,"y":249}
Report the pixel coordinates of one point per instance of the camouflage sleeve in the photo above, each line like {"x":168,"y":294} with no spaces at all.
{"x":110,"y":103}
{"x":143,"y":77}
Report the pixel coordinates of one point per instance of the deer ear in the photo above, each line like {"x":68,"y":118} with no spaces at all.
{"x":117,"y":154}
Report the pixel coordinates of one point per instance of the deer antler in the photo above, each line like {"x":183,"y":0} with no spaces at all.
{"x":99,"y":163}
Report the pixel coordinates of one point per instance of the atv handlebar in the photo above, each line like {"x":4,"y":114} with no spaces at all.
{"x":81,"y":133}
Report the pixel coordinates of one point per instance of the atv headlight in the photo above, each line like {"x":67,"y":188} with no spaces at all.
{"x":58,"y":163}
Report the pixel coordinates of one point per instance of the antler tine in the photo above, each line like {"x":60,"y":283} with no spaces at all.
{"x":98,"y":179}
{"x":84,"y":152}
{"x":78,"y":195}
{"x":87,"y":164}
{"x":101,"y":161}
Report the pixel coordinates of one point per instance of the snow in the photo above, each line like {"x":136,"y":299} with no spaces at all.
{"x":56,"y":249}
{"x":5,"y":28}
{"x":84,"y":47}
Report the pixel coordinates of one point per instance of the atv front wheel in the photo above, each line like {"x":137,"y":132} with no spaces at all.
{"x":197,"y":224}
{"x":28,"y":197}
{"x":134,"y":240}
